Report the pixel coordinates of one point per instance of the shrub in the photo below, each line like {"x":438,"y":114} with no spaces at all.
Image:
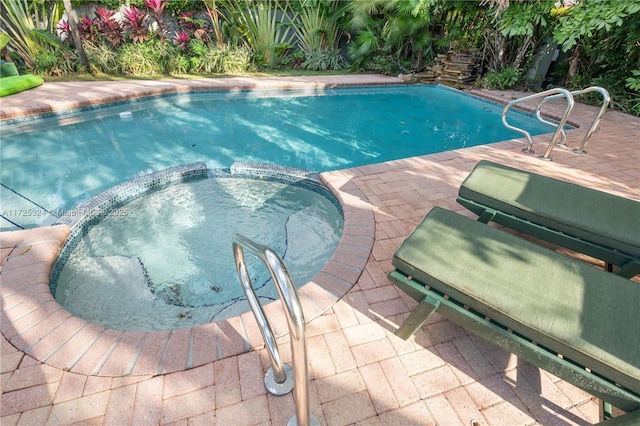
{"x":212,"y":59}
{"x":151,"y":57}
{"x":384,"y":64}
{"x":235,"y":60}
{"x":58,"y":61}
{"x":504,"y":79}
{"x":103,"y":58}
{"x":324,"y":60}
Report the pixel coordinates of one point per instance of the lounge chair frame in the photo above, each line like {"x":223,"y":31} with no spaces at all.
{"x":430,"y":301}
{"x":430,"y":291}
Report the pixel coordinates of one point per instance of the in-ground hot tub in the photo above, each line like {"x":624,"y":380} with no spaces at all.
{"x":156,"y":253}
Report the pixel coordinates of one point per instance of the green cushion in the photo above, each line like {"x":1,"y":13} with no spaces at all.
{"x":582,"y":212}
{"x":8,"y":69}
{"x":15,"y":84}
{"x":586,"y":314}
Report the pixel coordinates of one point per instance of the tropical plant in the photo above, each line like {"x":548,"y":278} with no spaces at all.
{"x":192,"y":26}
{"x":397,"y":28}
{"x":181,"y":40}
{"x":4,"y":40}
{"x":103,"y":58}
{"x":317,"y":28}
{"x":317,"y":32}
{"x":134,"y":24}
{"x":235,"y":60}
{"x":156,"y":10}
{"x":205,"y":59}
{"x":324,"y":60}
{"x":149,"y":57}
{"x":213,"y":59}
{"x":108,"y":27}
{"x":517,"y":29}
{"x":30,"y":28}
{"x":216,"y":22}
{"x":503,"y":79}
{"x":265,"y":27}
{"x":87,"y":27}
{"x":102,"y":27}
{"x":60,"y":61}
{"x":459,"y":23}
{"x":602,"y":37}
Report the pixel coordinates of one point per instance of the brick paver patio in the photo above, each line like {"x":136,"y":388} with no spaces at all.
{"x":58,"y":369}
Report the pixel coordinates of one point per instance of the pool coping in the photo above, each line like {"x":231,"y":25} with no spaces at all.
{"x":87,"y":95}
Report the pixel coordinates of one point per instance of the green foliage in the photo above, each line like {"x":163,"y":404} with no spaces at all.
{"x":183,"y":64}
{"x":385,"y":64}
{"x":317,"y":29}
{"x":588,"y":18}
{"x":103,"y":58}
{"x":60,"y":61}
{"x":209,"y":59}
{"x":264,"y":26}
{"x":506,"y":78}
{"x":235,"y":60}
{"x":293,"y":59}
{"x":22,"y":20}
{"x":324,"y":60}
{"x":462,"y":23}
{"x":45,"y":60}
{"x":150,"y":57}
{"x":214,"y":59}
{"x":412,"y":31}
{"x":522,"y":19}
{"x":604,"y":37}
{"x":633,"y":83}
{"x":214,"y":15}
{"x":390,"y":27}
{"x":4,"y":40}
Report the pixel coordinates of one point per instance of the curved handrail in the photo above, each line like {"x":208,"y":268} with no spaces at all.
{"x":545,"y":94}
{"x":606,"y":99}
{"x":538,"y":113}
{"x":295,"y":321}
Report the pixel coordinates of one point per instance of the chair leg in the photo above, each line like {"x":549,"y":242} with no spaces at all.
{"x":417,"y":317}
{"x":606,"y":410}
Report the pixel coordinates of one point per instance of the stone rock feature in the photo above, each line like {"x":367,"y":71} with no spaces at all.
{"x":456,"y":68}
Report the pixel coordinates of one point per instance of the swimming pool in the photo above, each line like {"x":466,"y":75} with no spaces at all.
{"x":162,"y":259}
{"x":52,"y":164}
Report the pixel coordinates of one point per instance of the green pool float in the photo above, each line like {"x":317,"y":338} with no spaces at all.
{"x":18,"y":83}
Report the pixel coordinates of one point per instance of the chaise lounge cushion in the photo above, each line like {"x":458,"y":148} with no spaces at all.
{"x":582,"y":212}
{"x":588,"y":315}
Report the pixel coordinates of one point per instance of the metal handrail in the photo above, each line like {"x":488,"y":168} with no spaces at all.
{"x":538,"y":113}
{"x":542,"y":95}
{"x":279,"y":383}
{"x":606,"y":99}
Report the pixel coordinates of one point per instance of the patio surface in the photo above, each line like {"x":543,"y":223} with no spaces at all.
{"x":59,"y":369}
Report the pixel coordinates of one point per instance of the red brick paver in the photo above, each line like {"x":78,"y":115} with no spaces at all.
{"x":56,"y":369}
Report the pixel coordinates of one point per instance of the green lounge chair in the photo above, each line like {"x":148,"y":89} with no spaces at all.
{"x":592,"y":222}
{"x":528,"y":300}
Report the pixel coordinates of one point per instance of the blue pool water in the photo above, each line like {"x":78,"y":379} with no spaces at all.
{"x":164,"y":261}
{"x":57,"y":162}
